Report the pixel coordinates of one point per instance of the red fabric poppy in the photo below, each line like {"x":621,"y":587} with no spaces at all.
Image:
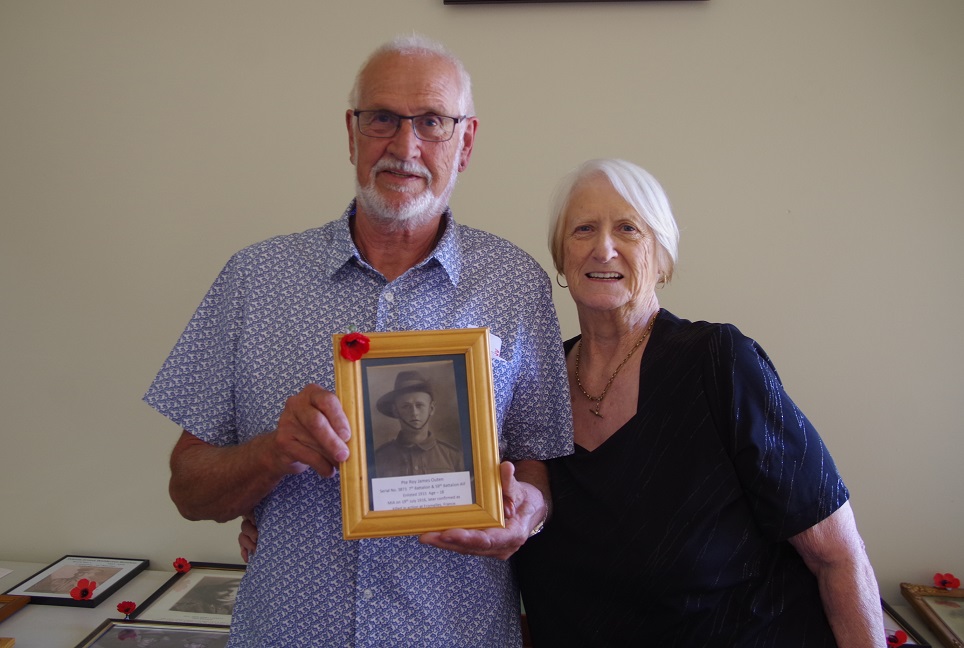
{"x":126,"y":607}
{"x":899,"y":638}
{"x":354,"y":346}
{"x":84,"y":590}
{"x":946,"y":581}
{"x":182,"y":566}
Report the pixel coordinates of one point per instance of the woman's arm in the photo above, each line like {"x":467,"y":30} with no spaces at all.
{"x":834,"y":552}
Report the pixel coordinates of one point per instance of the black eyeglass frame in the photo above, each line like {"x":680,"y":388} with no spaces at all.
{"x":455,"y":120}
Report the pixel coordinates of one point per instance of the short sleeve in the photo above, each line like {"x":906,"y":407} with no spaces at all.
{"x":538,"y":423}
{"x":784,"y":468}
{"x":195,"y":386}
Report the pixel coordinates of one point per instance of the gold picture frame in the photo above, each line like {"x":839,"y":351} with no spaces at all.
{"x":456,"y":368}
{"x":941,"y":609}
{"x":10,"y":604}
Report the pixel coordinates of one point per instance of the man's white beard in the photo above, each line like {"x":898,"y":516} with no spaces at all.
{"x":419,"y":208}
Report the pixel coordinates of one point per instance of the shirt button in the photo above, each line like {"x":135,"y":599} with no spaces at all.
{"x":389,"y":297}
{"x":367,"y":595}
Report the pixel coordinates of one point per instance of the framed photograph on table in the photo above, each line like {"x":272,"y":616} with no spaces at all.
{"x":424,"y":452}
{"x":114,"y":633}
{"x":53,"y":584}
{"x":204,"y":595}
{"x":941,"y":609}
{"x":897,"y":629}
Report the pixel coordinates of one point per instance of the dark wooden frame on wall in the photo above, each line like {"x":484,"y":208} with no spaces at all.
{"x":461,"y":2}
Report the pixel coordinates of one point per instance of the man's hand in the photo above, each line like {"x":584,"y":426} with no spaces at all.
{"x":525,"y":507}
{"x":312,"y":432}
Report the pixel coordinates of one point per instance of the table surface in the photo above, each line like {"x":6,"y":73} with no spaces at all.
{"x":47,"y":626}
{"x":59,"y":626}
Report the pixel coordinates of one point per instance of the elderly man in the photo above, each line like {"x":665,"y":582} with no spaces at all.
{"x":250,"y":382}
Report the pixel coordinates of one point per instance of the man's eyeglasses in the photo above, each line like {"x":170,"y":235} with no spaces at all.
{"x":428,"y":128}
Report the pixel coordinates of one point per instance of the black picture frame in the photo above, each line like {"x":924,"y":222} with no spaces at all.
{"x":893,"y":622}
{"x":465,"y":2}
{"x":120,"y":633}
{"x":201,"y":596}
{"x":52,"y":584}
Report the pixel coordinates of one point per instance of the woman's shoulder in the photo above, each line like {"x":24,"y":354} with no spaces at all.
{"x":719,"y":339}
{"x":676,"y":327}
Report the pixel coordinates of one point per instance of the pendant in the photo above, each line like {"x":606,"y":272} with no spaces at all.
{"x":596,"y":411}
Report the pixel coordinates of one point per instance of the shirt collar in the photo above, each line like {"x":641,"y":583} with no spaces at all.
{"x":428,"y":444}
{"x":343,"y":250}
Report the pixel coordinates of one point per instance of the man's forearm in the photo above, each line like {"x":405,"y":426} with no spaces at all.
{"x":220,"y":483}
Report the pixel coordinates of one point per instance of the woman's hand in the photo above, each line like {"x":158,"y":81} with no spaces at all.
{"x":248,"y":538}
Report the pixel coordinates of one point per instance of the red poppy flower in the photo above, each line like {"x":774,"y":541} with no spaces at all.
{"x":182,"y":566}
{"x":354,"y":346}
{"x":899,"y":638}
{"x":84,"y":590}
{"x":946,"y":581}
{"x":126,"y":607}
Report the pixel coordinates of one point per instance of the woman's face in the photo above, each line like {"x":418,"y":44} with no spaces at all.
{"x":609,"y":254}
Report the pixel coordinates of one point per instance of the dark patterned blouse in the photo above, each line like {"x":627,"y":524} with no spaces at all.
{"x":674,"y":531}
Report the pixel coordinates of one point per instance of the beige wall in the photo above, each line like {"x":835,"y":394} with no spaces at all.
{"x":813,"y":151}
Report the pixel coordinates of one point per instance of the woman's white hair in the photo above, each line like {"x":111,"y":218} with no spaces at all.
{"x":418,"y":45}
{"x":638,"y":188}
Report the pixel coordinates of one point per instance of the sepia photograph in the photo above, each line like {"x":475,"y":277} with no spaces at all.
{"x":204,"y":595}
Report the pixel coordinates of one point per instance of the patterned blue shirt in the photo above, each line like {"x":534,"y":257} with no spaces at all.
{"x":264,"y":331}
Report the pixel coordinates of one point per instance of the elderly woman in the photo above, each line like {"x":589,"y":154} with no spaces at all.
{"x":701,"y":507}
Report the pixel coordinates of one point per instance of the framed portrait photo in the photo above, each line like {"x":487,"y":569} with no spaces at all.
{"x":114,"y":633}
{"x":204,"y":595}
{"x":941,"y":609}
{"x":53,"y":584}
{"x":424,"y":452}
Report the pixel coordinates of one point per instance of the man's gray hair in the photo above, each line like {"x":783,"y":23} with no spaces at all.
{"x":418,"y":45}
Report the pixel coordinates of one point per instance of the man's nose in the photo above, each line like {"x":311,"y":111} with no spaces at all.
{"x":404,"y":144}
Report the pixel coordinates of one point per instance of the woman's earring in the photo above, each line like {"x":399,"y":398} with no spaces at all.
{"x":558,"y":274}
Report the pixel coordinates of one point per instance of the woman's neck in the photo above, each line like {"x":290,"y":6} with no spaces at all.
{"x":607,"y":330}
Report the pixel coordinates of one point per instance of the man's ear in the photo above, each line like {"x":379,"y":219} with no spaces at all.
{"x":468,"y":140}
{"x":351,"y":135}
